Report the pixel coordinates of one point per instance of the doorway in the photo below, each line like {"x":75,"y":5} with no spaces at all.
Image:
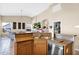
{"x":57,"y":28}
{"x":6,"y":26}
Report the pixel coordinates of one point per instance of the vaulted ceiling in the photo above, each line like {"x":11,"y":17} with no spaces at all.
{"x":24,"y":9}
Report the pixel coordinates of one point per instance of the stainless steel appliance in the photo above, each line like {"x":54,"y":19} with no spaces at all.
{"x":54,"y":49}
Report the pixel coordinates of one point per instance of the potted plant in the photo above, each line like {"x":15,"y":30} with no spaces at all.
{"x":37,"y":25}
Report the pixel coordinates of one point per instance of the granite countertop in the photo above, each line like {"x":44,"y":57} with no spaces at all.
{"x":24,"y":39}
{"x":61,"y":42}
{"x":29,"y":36}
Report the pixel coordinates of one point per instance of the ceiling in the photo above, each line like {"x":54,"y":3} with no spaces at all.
{"x":24,"y":9}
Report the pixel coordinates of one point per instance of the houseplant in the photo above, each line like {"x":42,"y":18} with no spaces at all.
{"x":37,"y":25}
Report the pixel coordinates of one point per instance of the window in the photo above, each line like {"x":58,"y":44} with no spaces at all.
{"x":23,"y":25}
{"x":14,"y":25}
{"x":19,"y":25}
{"x":57,"y":28}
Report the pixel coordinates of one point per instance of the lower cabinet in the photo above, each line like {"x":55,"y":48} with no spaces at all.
{"x":68,"y":49}
{"x":25,"y":48}
{"x":32,"y":47}
{"x":40,"y":47}
{"x":28,"y":44}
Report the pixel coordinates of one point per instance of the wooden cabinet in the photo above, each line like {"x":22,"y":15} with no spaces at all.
{"x":25,"y":48}
{"x":40,"y":47}
{"x":24,"y":44}
{"x":68,"y":49}
{"x":40,"y":43}
{"x":28,"y":44}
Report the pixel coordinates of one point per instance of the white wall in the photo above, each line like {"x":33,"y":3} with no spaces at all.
{"x":68,"y":14}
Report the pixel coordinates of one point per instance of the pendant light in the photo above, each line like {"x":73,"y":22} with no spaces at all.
{"x":21,"y":14}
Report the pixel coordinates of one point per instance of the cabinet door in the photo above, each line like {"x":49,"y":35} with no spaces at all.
{"x":68,"y":49}
{"x":40,"y":47}
{"x":24,"y":48}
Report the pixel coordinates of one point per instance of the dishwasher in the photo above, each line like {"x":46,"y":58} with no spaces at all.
{"x":54,"y":49}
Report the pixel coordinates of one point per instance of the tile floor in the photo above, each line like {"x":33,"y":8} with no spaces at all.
{"x":5,"y":46}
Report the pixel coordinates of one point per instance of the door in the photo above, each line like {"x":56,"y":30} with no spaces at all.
{"x":40,"y":47}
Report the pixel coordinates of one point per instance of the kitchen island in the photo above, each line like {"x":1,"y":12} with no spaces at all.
{"x":31,"y":43}
{"x":24,"y":44}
